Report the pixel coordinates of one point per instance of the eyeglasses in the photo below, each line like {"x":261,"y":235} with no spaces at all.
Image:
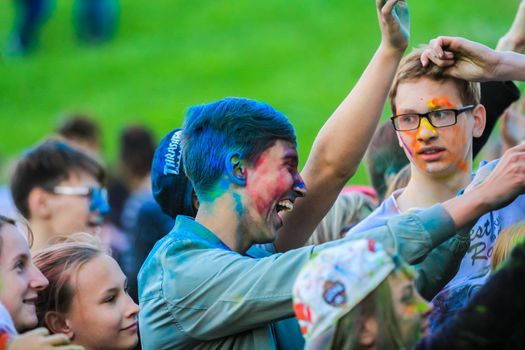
{"x":98,"y":196}
{"x":438,"y":119}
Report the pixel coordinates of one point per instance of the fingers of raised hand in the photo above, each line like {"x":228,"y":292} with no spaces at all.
{"x":445,"y":60}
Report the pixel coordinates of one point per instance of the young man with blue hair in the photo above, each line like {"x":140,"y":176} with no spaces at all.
{"x":207,"y":284}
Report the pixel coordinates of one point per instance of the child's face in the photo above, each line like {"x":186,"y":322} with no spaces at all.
{"x":20,"y":279}
{"x":410,"y":307}
{"x":102,"y":314}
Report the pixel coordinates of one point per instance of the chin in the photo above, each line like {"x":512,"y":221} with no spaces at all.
{"x":27,"y":324}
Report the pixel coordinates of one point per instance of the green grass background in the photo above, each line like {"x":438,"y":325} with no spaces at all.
{"x":303,"y":57}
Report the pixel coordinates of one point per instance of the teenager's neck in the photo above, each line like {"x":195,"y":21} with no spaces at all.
{"x":220,"y":217}
{"x":424,"y":191}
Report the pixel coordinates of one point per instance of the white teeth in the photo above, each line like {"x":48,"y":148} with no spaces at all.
{"x":285,"y":205}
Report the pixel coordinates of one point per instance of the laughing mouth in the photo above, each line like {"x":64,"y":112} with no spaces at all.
{"x":30,"y":301}
{"x":285,"y":205}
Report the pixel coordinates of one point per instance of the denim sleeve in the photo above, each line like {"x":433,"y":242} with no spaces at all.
{"x":441,"y":264}
{"x":411,"y":235}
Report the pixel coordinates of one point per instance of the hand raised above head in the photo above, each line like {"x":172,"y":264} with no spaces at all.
{"x":462,"y":58}
{"x":394,"y":20}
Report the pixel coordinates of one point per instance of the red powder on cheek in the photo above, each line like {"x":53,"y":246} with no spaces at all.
{"x":266,"y":184}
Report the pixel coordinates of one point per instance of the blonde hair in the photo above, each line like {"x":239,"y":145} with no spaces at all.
{"x":410,"y":69}
{"x":506,"y":241}
{"x":59,"y":262}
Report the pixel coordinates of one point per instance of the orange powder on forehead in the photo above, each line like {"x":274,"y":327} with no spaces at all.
{"x":439,"y":102}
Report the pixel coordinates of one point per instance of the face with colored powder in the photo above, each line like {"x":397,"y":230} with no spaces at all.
{"x":436,"y":151}
{"x":272,"y":185}
{"x":410,"y":307}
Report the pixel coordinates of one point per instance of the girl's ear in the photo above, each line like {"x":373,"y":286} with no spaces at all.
{"x":369,"y":332}
{"x":58,"y":323}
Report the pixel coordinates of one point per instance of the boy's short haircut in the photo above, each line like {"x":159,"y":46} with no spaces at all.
{"x":80,"y":127}
{"x":137,"y":145}
{"x":46,"y":165}
{"x":211,"y":131}
{"x":410,"y":69}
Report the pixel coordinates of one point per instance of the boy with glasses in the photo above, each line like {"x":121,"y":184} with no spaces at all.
{"x":58,"y":188}
{"x":436,"y":118}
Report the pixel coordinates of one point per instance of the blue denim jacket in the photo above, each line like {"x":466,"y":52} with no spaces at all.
{"x":195,"y":293}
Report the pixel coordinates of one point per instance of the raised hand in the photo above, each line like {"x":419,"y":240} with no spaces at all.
{"x":465,"y":59}
{"x":394,"y":20}
{"x":507,"y":180}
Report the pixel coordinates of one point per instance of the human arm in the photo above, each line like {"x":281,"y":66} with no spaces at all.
{"x":40,"y":339}
{"x":470,"y":60}
{"x":514,"y":39}
{"x":343,"y":139}
{"x":441,"y":265}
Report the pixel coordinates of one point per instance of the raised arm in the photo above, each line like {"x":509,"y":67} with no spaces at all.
{"x":473,"y":61}
{"x":342,"y":141}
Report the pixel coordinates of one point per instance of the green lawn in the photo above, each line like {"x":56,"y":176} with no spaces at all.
{"x":300,"y":56}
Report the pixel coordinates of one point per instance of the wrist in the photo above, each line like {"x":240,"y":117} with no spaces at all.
{"x":509,"y":66}
{"x":481,"y":202}
{"x":394,"y":52}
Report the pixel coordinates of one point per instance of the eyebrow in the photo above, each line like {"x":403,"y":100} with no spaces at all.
{"x":116,"y":289}
{"x":22,"y":256}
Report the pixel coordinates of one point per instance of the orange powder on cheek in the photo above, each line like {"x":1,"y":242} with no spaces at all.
{"x":410,"y":144}
{"x":458,"y":140}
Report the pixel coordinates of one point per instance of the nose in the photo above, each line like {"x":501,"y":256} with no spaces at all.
{"x":37,"y":280}
{"x":132,"y":309}
{"x":426,"y":131}
{"x":298,"y":186}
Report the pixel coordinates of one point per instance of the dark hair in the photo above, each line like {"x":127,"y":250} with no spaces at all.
{"x":137,"y":145}
{"x":45,"y":166}
{"x":410,"y":69}
{"x":384,"y":158}
{"x":80,"y":127}
{"x":232,"y":124}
